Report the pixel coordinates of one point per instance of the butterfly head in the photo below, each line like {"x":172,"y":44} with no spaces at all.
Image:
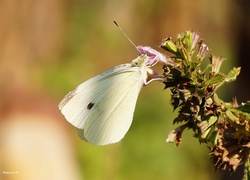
{"x":140,"y":61}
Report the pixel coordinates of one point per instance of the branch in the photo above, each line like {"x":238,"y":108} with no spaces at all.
{"x":223,"y":126}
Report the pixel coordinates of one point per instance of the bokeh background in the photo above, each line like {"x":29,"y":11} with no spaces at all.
{"x":48,"y":47}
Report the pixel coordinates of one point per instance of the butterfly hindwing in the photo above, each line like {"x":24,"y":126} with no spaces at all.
{"x":109,"y":126}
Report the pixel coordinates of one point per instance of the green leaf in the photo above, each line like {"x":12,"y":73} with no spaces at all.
{"x":231,"y":116}
{"x":205,"y":126}
{"x":216,"y":79}
{"x":245,"y":107}
{"x":188,"y":41}
{"x":169,"y":45}
{"x":231,"y":76}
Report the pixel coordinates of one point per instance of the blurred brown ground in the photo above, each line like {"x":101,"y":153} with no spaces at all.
{"x":34,"y":143}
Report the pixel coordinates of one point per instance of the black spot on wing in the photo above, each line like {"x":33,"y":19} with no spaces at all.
{"x":90,"y":105}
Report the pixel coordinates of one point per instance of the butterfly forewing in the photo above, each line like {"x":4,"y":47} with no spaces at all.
{"x":75,"y":105}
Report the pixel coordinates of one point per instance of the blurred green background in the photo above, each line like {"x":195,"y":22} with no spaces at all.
{"x":48,"y":47}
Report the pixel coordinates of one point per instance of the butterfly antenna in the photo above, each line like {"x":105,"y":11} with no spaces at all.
{"x":126,"y":35}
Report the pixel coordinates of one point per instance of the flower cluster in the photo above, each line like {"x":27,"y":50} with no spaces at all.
{"x":223,"y":126}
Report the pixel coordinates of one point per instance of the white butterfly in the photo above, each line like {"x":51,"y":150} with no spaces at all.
{"x":102,"y":107}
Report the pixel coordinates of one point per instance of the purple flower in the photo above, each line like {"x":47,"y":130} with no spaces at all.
{"x":154,"y":56}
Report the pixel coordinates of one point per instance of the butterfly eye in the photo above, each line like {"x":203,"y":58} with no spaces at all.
{"x":135,"y":63}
